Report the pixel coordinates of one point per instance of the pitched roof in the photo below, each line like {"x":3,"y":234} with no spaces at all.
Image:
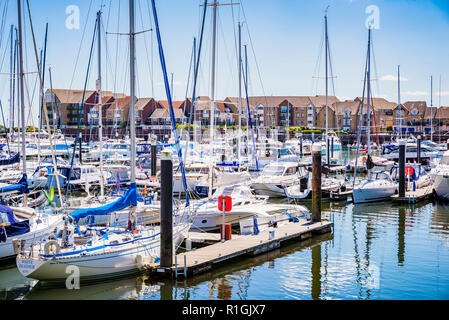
{"x":165,"y":113}
{"x":71,"y":96}
{"x":442,"y":113}
{"x":142,"y":102}
{"x":122,"y":102}
{"x":421,"y":106}
{"x":320,"y":101}
{"x":350,"y":105}
{"x":176,"y":104}
{"x":379,"y":103}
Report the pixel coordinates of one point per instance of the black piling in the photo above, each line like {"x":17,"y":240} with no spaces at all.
{"x":402,"y":168}
{"x":300,"y":145}
{"x":166,"y":210}
{"x":153,"y":159}
{"x":316,"y":182}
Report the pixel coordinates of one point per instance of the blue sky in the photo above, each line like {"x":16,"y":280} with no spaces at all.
{"x":283,"y":37}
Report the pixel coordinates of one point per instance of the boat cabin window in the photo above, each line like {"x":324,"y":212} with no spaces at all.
{"x":273,"y":170}
{"x":290,"y":171}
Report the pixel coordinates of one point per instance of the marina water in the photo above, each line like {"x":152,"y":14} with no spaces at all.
{"x":376,"y":251}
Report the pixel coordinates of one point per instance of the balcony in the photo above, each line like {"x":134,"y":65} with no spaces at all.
{"x":74,"y":108}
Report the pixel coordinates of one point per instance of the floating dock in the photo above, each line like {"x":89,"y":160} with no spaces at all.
{"x":414,"y":196}
{"x":205,"y":259}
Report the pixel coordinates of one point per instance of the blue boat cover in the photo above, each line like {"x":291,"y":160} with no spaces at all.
{"x":14,"y":228}
{"x":18,"y":228}
{"x":9,"y":213}
{"x":130,"y":198}
{"x":12,"y":160}
{"x":21,"y":186}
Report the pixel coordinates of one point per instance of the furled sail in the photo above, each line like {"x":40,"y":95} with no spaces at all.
{"x":21,"y":186}
{"x":130,"y":198}
{"x":9,"y":161}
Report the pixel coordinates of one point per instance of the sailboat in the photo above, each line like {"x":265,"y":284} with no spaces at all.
{"x":22,"y":224}
{"x":101,"y":253}
{"x":377,"y":186}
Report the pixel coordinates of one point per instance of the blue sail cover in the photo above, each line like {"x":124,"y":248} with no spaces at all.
{"x":12,"y":160}
{"x":13,"y":227}
{"x":9,"y":213}
{"x":130,"y":198}
{"x":21,"y":186}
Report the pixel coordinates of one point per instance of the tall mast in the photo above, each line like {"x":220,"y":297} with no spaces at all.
{"x":240,"y":95}
{"x":399,"y":102}
{"x":22,"y":100}
{"x":369,"y":95}
{"x":439,"y":113}
{"x":248,"y":122}
{"x":327,"y":88}
{"x":431,"y":108}
{"x":11,"y":87}
{"x":132,"y":89}
{"x":212,"y":94}
{"x":100,"y":104}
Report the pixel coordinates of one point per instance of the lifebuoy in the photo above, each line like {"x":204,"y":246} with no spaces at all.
{"x":52,"y":248}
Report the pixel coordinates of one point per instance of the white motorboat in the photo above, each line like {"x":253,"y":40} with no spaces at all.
{"x":275,"y":177}
{"x":440,"y":177}
{"x":377,"y":188}
{"x":206,"y":215}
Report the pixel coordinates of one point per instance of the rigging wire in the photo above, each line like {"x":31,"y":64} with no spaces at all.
{"x":79,"y":49}
{"x":254,"y":53}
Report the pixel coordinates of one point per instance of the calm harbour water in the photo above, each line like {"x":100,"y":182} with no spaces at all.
{"x":376,"y":251}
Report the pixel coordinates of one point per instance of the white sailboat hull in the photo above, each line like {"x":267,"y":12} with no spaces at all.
{"x":99,"y":265}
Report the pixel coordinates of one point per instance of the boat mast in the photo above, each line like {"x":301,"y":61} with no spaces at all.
{"x":368,"y":79}
{"x":22,"y":100}
{"x":11,"y":88}
{"x":327,"y":88}
{"x":132,"y":89}
{"x":431,"y":108}
{"x":240,"y":95}
{"x":100,"y":104}
{"x":399,"y":103}
{"x":212,"y":94}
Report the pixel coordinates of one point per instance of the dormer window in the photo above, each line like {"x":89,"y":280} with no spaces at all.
{"x":414,"y":112}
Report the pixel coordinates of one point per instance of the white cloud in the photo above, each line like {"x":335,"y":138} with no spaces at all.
{"x":390,"y":77}
{"x":415,"y":93}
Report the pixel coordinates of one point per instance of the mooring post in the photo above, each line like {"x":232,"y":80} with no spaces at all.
{"x":300,"y":145}
{"x":328,"y":154}
{"x":418,"y":158}
{"x":402,"y":168}
{"x":166,"y":210}
{"x":153,"y":158}
{"x":316,"y":182}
